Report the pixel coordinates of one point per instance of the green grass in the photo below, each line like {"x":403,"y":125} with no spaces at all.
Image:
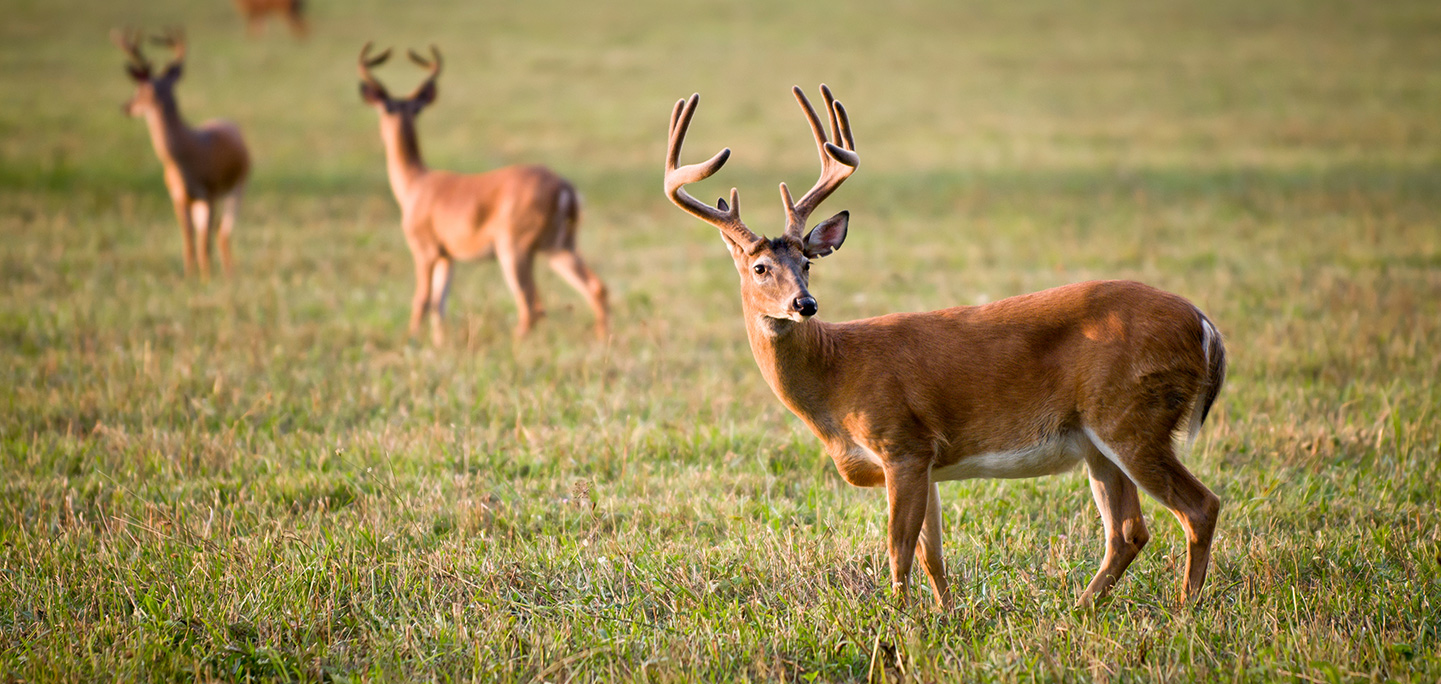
{"x":261,"y":479}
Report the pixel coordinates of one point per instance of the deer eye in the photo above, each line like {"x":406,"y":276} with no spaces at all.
{"x":760,"y":269}
{"x":806,"y":267}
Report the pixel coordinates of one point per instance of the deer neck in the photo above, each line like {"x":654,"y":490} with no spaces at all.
{"x":402,"y":155}
{"x":169,"y":134}
{"x":797,"y":359}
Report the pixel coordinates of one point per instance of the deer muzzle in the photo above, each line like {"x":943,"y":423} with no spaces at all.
{"x":805,"y":305}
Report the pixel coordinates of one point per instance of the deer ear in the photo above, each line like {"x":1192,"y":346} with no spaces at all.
{"x":828,"y":236}
{"x":371,"y":93}
{"x":425,"y":95}
{"x":736,"y":249}
{"x":173,"y":72}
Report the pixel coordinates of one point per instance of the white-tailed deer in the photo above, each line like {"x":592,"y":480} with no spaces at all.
{"x":255,"y":12}
{"x":512,"y":213}
{"x":204,"y":165}
{"x":1101,"y":372}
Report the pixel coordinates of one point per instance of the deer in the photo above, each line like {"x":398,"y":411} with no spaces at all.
{"x":255,"y":12}
{"x":512,"y":214}
{"x":204,"y":166}
{"x":1104,"y":373}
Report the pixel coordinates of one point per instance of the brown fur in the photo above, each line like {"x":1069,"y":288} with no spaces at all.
{"x":203,"y":165}
{"x":1015,"y":388}
{"x":256,"y":11}
{"x":513,"y":213}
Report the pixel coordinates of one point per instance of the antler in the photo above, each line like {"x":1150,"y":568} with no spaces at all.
{"x":726,"y":218}
{"x":129,"y":40}
{"x":433,"y":64}
{"x":173,"y":38}
{"x":367,"y":62}
{"x":838,"y":161}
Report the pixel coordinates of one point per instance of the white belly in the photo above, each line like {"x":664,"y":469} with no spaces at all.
{"x":1045,"y":458}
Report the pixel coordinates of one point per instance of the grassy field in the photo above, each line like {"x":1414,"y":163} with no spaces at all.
{"x":261,"y":479}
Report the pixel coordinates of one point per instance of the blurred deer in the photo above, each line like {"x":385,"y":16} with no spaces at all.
{"x":1105,"y":372}
{"x":204,"y":165}
{"x":255,"y":12}
{"x":512,"y":213}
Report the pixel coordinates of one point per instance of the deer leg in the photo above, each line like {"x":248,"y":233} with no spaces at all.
{"x":1126,"y":533}
{"x":908,"y":498}
{"x":930,"y":549}
{"x":572,"y":269}
{"x":439,"y":289}
{"x":424,"y":264}
{"x":187,"y":232}
{"x":227,"y":224}
{"x":200,"y":215}
{"x":518,"y":266}
{"x":296,"y":17}
{"x":1153,"y":466}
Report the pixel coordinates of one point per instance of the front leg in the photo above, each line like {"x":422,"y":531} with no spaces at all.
{"x":200,"y":216}
{"x":424,"y":266}
{"x":930,"y":550}
{"x":187,"y":230}
{"x":517,"y":264}
{"x":908,"y":489}
{"x":439,"y":287}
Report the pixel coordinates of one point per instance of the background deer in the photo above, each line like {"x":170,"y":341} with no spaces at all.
{"x":512,"y":213}
{"x":255,"y":12}
{"x":203,"y":165}
{"x":1100,"y":372}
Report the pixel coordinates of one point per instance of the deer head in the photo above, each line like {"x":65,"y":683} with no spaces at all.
{"x":375,"y":94}
{"x":775,"y":272}
{"x":151,"y":90}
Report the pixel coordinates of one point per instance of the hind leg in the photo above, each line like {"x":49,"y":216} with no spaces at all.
{"x":227,"y":224}
{"x":1150,"y":461}
{"x":518,"y":267}
{"x":296,"y":16}
{"x":1126,"y":533}
{"x":571,"y":268}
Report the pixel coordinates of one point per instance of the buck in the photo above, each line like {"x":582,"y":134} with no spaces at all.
{"x":205,"y":165}
{"x":255,"y":12}
{"x":1103,"y":373}
{"x":512,"y":213}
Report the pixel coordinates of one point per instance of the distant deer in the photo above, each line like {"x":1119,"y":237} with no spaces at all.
{"x":203,"y":165}
{"x":512,"y":213}
{"x":255,"y":12}
{"x":1102,"y":372}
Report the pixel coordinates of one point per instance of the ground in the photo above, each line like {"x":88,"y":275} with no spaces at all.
{"x":261,"y":478}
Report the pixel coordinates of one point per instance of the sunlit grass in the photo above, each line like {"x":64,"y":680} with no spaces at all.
{"x":261,"y":478}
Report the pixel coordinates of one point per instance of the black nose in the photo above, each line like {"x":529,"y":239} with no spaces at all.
{"x":806,"y":306}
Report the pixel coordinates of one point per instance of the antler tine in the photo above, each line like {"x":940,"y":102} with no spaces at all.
{"x":838,"y":161}
{"x":173,"y":37}
{"x":725,"y":217}
{"x":367,"y":62}
{"x":129,"y":41}
{"x":840,"y":122}
{"x":433,"y":64}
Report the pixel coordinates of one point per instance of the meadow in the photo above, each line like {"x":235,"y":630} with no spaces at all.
{"x":262,"y":479}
